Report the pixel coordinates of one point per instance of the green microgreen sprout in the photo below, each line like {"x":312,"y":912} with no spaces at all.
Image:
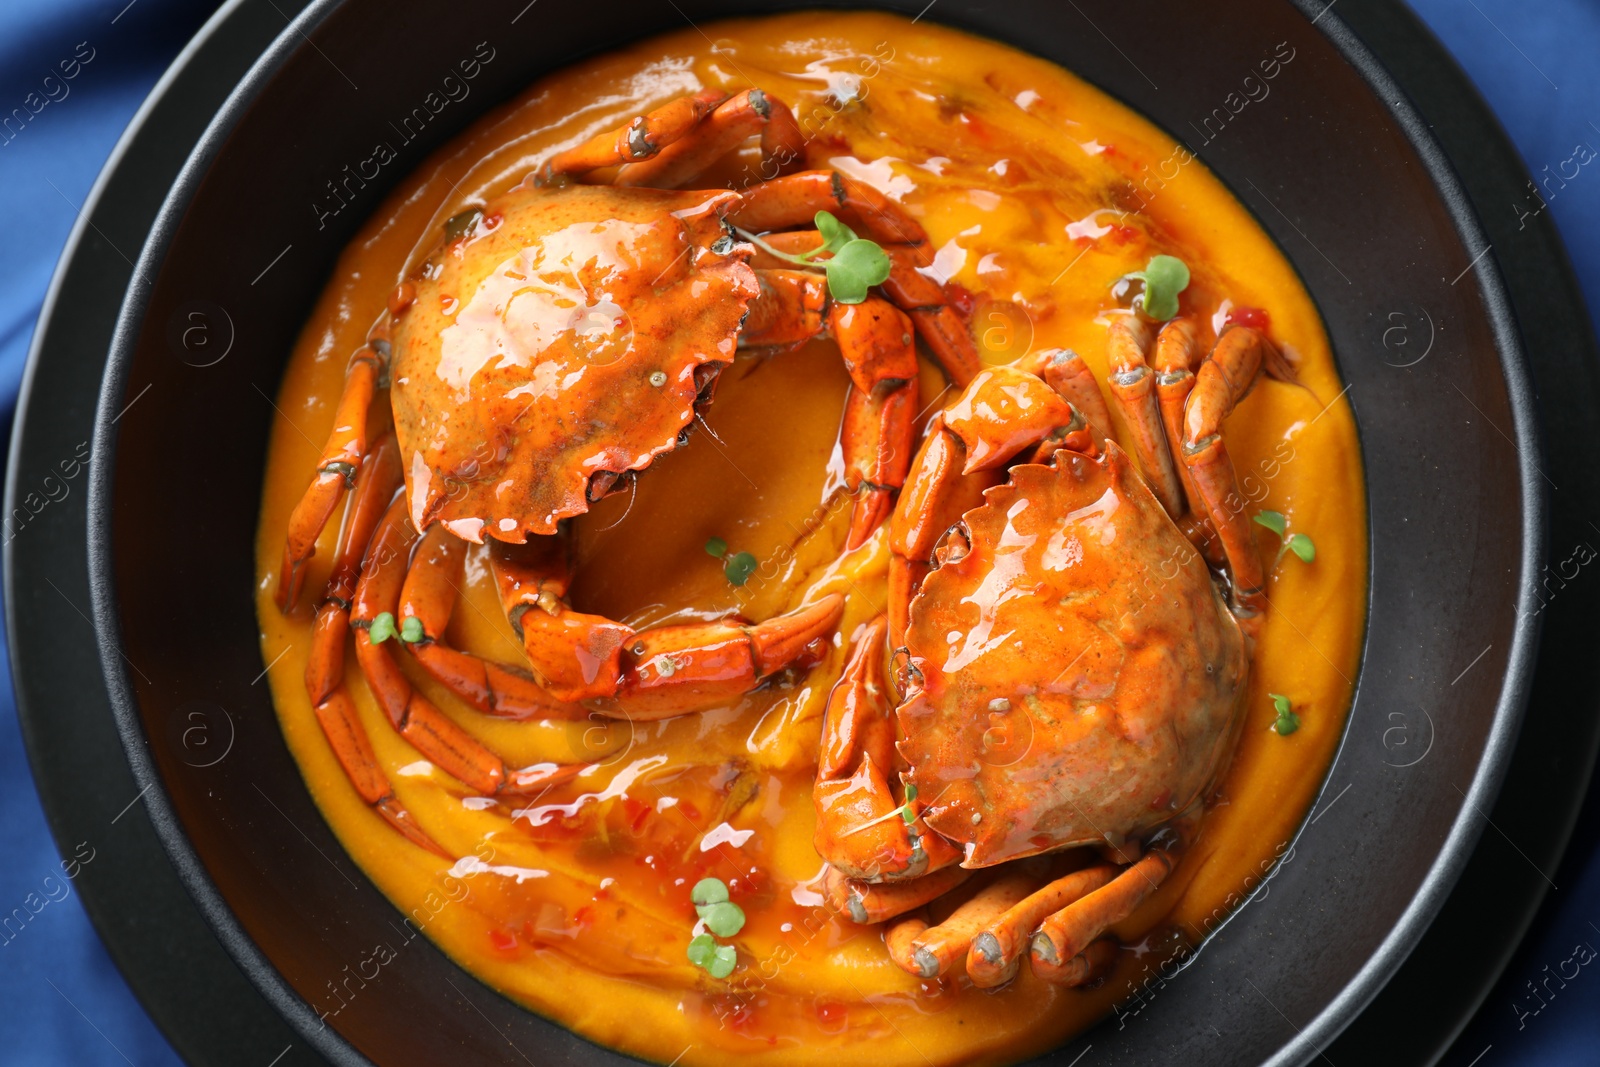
{"x":736,"y":567}
{"x":1164,"y":277}
{"x":854,"y":264}
{"x":709,"y":891}
{"x":724,"y":919}
{"x":740,"y":566}
{"x":1298,"y":543}
{"x":1287,"y":721}
{"x":383,"y":628}
{"x":716,"y":960}
{"x":907,"y":812}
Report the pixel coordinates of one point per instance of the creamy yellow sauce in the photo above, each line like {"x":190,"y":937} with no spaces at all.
{"x":1038,"y":192}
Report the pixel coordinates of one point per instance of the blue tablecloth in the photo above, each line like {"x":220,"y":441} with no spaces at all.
{"x":62,"y":1001}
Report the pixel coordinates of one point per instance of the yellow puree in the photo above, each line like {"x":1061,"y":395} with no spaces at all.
{"x":577,"y":905}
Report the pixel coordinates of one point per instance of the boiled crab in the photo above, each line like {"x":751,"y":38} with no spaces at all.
{"x":1041,"y":585}
{"x":555,"y":342}
{"x":1071,"y":674}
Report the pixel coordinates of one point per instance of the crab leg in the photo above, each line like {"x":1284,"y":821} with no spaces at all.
{"x":429,"y":730}
{"x":792,"y":307}
{"x":868,"y":902}
{"x":1133,"y":387}
{"x":875,"y":340}
{"x":574,"y":655}
{"x":1224,"y":379}
{"x":936,"y":495}
{"x":336,"y":469}
{"x":937,"y":323}
{"x":997,"y":949}
{"x":717,"y":134}
{"x":1174,"y":360}
{"x":650,"y":674}
{"x":670,"y":670}
{"x":336,"y":712}
{"x":431,"y":589}
{"x":640,"y":139}
{"x":941,"y":946}
{"x":1086,"y":968}
{"x":1065,"y":372}
{"x":794,"y":200}
{"x":862,"y":829}
{"x":1068,"y":932}
{"x":900,"y":938}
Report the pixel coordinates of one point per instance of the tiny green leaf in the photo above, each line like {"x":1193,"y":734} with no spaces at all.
{"x":722,"y":961}
{"x":723,"y":919}
{"x":717,"y":547}
{"x":1302,"y":546}
{"x":702,"y":950}
{"x":907,"y":812}
{"x":1288,"y":722}
{"x":709,"y":891}
{"x":382,"y":628}
{"x":1164,"y":278}
{"x":1272,"y":520}
{"x":854,"y":269}
{"x":739,"y":567}
{"x":855,"y":266}
{"x":411,"y":630}
{"x":835,"y":234}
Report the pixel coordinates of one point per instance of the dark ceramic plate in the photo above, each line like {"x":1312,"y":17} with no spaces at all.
{"x":1336,"y":165}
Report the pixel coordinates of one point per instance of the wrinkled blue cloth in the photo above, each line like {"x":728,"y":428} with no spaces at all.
{"x":62,"y":1001}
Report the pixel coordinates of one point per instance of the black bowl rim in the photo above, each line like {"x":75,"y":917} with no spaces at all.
{"x":1308,"y":1041}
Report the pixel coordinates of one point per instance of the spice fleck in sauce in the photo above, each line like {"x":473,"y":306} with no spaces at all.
{"x":1038,"y":193}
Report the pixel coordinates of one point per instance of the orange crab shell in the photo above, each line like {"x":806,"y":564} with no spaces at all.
{"x":555,"y":340}
{"x":1081,"y":678}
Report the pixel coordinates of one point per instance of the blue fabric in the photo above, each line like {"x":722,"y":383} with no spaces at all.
{"x":1535,"y":64}
{"x":62,"y":1001}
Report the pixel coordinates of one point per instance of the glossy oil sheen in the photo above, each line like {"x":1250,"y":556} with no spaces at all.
{"x":1029,"y":183}
{"x":1337,"y":167}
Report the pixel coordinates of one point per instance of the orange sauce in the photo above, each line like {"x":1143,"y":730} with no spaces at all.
{"x":1038,"y":192}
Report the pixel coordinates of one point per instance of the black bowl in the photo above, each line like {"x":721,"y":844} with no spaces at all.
{"x":1336,"y":166}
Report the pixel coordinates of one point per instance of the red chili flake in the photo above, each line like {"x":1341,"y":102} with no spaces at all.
{"x":602,"y":893}
{"x":583,"y":918}
{"x":1255,"y":318}
{"x":1124,"y":234}
{"x":491,"y":221}
{"x":831,"y":1014}
{"x":502,"y":941}
{"x":688,"y":809}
